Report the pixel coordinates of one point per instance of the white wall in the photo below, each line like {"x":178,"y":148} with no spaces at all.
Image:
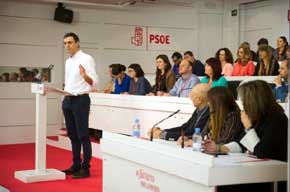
{"x":255,"y":19}
{"x":267,"y":19}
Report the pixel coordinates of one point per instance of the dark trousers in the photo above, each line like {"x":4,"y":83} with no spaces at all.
{"x":76,"y":113}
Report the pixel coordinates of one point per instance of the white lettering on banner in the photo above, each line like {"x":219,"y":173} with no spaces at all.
{"x":147,"y":181}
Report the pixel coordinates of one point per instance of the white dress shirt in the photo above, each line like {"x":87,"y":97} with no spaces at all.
{"x":74,"y":82}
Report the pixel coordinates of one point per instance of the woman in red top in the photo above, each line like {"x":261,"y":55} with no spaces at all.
{"x":244,"y":65}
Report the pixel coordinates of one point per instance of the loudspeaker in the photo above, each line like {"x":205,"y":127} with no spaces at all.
{"x":63,"y":15}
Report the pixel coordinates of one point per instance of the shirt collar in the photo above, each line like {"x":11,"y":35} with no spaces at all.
{"x":201,"y":111}
{"x":76,"y":54}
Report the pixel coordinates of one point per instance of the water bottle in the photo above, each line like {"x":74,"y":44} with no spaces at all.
{"x":196,"y":140}
{"x":136,"y":128}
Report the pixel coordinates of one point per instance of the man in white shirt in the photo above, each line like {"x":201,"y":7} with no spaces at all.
{"x":80,"y":78}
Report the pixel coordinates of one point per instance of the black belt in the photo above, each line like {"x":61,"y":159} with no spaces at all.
{"x":75,"y":96}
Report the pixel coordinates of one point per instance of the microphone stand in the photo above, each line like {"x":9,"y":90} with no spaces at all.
{"x":182,"y":138}
{"x":151,"y":133}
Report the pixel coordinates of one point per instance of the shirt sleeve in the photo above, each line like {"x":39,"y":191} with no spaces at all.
{"x":141,"y":89}
{"x":251,"y":69}
{"x":204,"y":80}
{"x":281,"y":92}
{"x":235,"y":70}
{"x":173,"y":91}
{"x":125,"y":84}
{"x":234,"y":147}
{"x":195,"y":81}
{"x":91,"y":70}
{"x":250,"y":140}
{"x":228,"y":70}
{"x":170,"y":81}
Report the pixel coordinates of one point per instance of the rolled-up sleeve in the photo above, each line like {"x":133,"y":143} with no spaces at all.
{"x":250,"y":140}
{"x":91,"y":71}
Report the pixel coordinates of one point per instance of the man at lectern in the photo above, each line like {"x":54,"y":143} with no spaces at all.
{"x":80,"y":78}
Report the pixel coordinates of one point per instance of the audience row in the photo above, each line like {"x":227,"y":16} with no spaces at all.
{"x":25,"y":75}
{"x":166,"y":84}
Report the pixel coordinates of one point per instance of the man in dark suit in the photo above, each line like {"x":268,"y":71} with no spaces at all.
{"x":198,"y":119}
{"x":197,"y":66}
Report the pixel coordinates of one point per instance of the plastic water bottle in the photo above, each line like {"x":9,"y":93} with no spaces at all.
{"x":136,"y":128}
{"x":196,"y":140}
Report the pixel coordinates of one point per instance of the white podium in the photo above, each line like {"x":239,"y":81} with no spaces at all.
{"x":40,"y":173}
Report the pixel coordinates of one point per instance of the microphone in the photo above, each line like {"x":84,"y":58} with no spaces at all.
{"x":151,"y":134}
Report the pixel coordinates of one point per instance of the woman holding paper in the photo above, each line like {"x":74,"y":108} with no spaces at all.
{"x":265,"y":129}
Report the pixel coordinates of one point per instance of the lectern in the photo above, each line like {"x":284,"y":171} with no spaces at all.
{"x":40,"y":173}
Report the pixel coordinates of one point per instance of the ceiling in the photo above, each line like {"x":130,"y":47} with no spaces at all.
{"x":121,"y":3}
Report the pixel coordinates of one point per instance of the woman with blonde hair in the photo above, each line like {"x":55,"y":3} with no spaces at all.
{"x":244,"y":65}
{"x":267,"y":64}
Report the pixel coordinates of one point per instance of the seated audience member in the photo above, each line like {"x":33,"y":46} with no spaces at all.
{"x":197,"y":66}
{"x":281,"y":82}
{"x":244,"y":65}
{"x":288,"y":52}
{"x":199,"y":118}
{"x":165,"y":79}
{"x":262,"y":41}
{"x":122,"y":80}
{"x":224,"y":124}
{"x":139,"y":85}
{"x":36,"y":74}
{"x":109,"y":88}
{"x":265,"y":133}
{"x":22,"y":71}
{"x":254,"y":55}
{"x":280,"y":52}
{"x":176,"y":59}
{"x":13,"y":77}
{"x":267,"y":64}
{"x":186,"y":82}
{"x":226,"y":59}
{"x":29,"y":77}
{"x":213,"y":70}
{"x":5,"y":77}
{"x":45,"y":75}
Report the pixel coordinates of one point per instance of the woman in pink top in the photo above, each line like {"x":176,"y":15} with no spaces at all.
{"x":244,"y":65}
{"x":226,"y":58}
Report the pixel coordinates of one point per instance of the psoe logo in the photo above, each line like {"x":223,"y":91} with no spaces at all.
{"x":137,"y":39}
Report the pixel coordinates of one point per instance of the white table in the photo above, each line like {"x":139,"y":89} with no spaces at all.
{"x":115,"y":113}
{"x":132,"y":164}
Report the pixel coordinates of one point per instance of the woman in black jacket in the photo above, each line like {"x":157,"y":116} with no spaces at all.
{"x":266,"y":130}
